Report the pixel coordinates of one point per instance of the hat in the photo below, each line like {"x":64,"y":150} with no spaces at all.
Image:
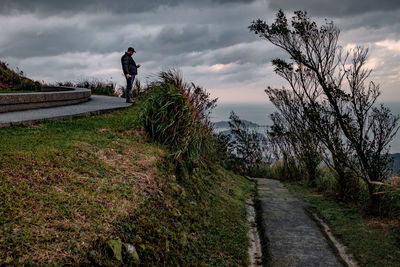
{"x":131,"y":49}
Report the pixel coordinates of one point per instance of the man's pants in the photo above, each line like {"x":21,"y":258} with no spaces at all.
{"x":129,"y":83}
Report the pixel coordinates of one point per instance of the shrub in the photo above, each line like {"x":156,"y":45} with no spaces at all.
{"x":390,"y":202}
{"x":326,"y":180}
{"x":137,"y":90}
{"x":98,"y":87}
{"x":286,"y":171}
{"x":176,"y":114}
{"x":28,"y":85}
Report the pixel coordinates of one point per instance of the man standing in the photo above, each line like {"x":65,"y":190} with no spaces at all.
{"x":129,"y":68}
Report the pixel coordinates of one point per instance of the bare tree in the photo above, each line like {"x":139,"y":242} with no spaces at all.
{"x":323,"y":74}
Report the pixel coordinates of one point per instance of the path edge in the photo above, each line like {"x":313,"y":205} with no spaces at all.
{"x":62,"y":117}
{"x":266,"y":254}
{"x":332,"y":238}
{"x":347,"y":260}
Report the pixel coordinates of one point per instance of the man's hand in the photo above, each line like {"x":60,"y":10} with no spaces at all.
{"x":128,"y":75}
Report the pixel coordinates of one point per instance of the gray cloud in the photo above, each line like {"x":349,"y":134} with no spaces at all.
{"x":337,"y":8}
{"x":374,"y":21}
{"x":208,"y":40}
{"x":48,"y":7}
{"x":170,"y":31}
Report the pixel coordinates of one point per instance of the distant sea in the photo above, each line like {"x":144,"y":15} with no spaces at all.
{"x":259,"y":113}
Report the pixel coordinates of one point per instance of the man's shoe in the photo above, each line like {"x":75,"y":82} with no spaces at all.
{"x":130,"y":101}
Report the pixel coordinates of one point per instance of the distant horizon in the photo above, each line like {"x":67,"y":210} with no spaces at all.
{"x":258,"y":112}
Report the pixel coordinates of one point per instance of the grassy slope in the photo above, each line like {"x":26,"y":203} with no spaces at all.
{"x":372,"y":241}
{"x":12,"y":81}
{"x":68,"y":187}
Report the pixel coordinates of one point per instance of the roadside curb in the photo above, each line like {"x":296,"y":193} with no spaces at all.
{"x":341,"y":251}
{"x":266,"y":256}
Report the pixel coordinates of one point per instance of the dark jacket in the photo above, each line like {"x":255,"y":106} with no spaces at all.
{"x":128,"y":65}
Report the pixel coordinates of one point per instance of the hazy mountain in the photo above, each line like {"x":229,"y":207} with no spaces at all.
{"x":225,"y":124}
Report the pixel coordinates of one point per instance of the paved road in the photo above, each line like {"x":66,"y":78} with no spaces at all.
{"x":97,"y":104}
{"x":293,"y":239}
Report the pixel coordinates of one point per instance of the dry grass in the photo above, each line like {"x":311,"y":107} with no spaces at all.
{"x":131,"y":164}
{"x":383,"y":223}
{"x":54,"y":208}
{"x":395,"y":181}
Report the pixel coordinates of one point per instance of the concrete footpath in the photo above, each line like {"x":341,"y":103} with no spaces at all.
{"x":291,"y":237}
{"x":96,"y":105}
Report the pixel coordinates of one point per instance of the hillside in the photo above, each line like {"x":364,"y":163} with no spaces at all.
{"x":10,"y":80}
{"x":77,"y":192}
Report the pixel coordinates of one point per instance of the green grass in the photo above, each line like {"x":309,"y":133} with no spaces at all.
{"x":374,"y":242}
{"x":68,"y":187}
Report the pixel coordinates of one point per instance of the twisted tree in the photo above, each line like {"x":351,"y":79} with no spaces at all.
{"x":333,"y":87}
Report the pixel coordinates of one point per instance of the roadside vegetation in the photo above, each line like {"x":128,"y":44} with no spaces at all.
{"x":101,"y":87}
{"x":97,"y":87}
{"x":106,"y":190}
{"x":329,"y":139}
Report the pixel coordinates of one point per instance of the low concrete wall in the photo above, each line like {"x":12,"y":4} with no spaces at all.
{"x":50,"y":97}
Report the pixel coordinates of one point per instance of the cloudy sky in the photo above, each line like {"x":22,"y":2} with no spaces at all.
{"x":207,"y":40}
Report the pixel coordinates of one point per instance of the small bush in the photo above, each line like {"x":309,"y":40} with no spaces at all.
{"x":260,"y":170}
{"x":348,"y":188}
{"x":285,"y":171}
{"x":326,"y":180}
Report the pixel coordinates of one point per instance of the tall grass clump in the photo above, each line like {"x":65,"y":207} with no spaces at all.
{"x":176,"y":113}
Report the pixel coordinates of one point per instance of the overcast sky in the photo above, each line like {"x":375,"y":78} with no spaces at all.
{"x":208,"y":40}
